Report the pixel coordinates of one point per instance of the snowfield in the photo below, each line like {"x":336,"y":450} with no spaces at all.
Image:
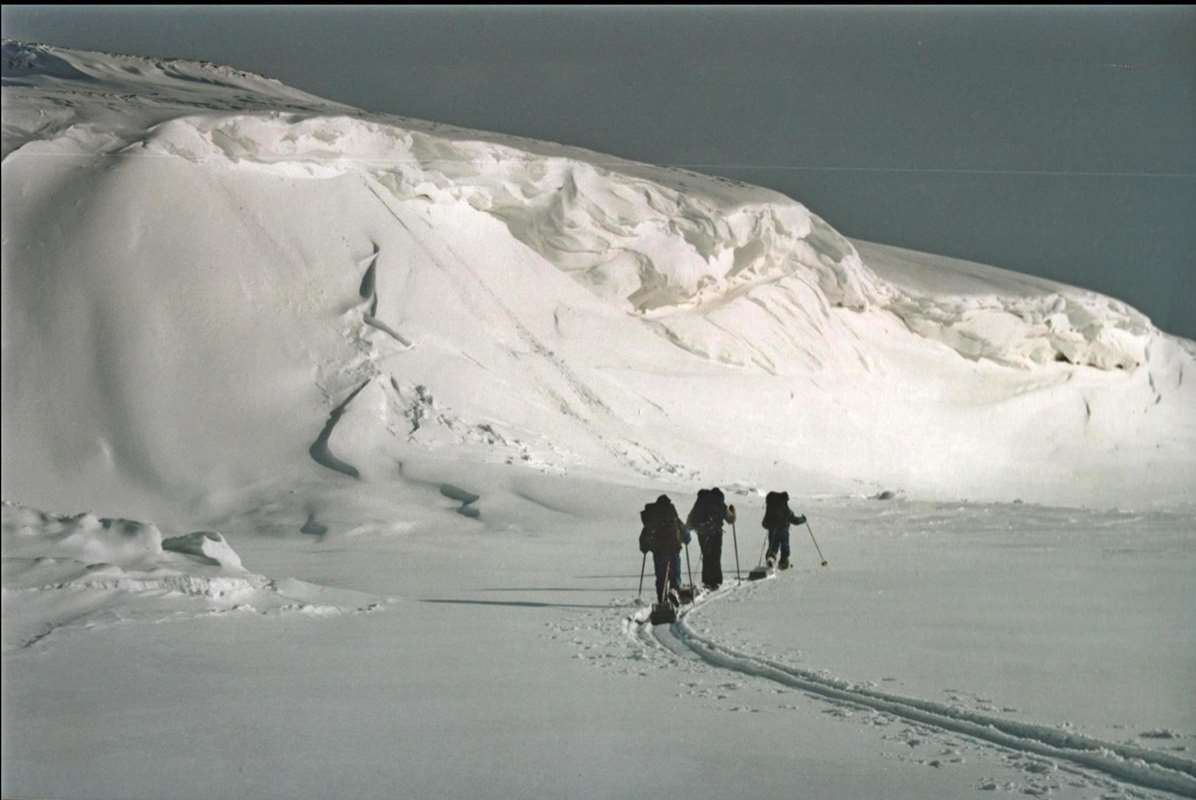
{"x":325,"y":434}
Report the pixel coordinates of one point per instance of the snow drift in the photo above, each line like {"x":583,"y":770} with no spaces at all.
{"x":217,"y":289}
{"x":82,"y":571}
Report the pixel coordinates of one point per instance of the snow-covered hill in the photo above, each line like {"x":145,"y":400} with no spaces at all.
{"x":196,"y":259}
{"x":368,"y":406}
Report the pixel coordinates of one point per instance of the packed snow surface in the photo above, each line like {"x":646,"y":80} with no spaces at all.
{"x":272,"y":364}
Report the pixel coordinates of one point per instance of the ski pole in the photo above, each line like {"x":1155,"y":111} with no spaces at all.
{"x":735,"y":539}
{"x":689,"y":570}
{"x":643,"y":563}
{"x":816,"y":547}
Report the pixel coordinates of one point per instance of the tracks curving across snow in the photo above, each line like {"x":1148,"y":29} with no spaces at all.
{"x":1125,"y":764}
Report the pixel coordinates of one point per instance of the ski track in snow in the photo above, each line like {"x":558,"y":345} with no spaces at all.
{"x":1036,"y":750}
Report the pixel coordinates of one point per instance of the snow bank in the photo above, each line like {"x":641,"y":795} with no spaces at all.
{"x":983,"y":312}
{"x":629,"y":239}
{"x":206,"y":545}
{"x":81,"y":88}
{"x":349,"y":291}
{"x":82,"y":571}
{"x":83,"y":537}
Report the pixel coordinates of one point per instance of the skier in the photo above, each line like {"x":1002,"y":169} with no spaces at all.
{"x":709,"y":513}
{"x":777,"y":519}
{"x":663,"y":535}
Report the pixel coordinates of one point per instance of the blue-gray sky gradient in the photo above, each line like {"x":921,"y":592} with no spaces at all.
{"x":1055,"y":141}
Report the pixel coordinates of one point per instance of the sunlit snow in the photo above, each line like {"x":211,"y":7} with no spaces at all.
{"x":325,"y":436}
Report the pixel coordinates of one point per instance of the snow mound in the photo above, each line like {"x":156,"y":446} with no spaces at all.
{"x":51,"y":90}
{"x":83,"y":537}
{"x":32,"y":64}
{"x":984,"y":312}
{"x":636,"y":241}
{"x":354,"y":292}
{"x":83,"y":572}
{"x":208,"y":546}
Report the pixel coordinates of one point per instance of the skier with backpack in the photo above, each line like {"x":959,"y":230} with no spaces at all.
{"x":664,"y":535}
{"x":706,"y":517}
{"x":777,"y":519}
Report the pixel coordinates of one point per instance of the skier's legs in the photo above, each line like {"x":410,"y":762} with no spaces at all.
{"x":675,"y":572}
{"x":774,"y":541}
{"x":661,"y":565}
{"x":708,"y":560}
{"x":714,"y":558}
{"x":784,"y":537}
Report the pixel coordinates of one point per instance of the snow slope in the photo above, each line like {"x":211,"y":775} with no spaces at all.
{"x":430,"y":289}
{"x":405,"y":368}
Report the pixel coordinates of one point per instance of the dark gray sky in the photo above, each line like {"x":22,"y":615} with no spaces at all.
{"x":1055,"y":141}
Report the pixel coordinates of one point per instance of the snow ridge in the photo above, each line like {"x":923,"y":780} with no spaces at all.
{"x":1016,"y":320}
{"x":30,"y":63}
{"x":83,"y":571}
{"x":625,"y":237}
{"x":566,"y":310}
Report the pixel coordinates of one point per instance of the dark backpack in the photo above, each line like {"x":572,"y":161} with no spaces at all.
{"x":659,"y":520}
{"x":711,"y":506}
{"x":776,"y":510}
{"x":697,"y":514}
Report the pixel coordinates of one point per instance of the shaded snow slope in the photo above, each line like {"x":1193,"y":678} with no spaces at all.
{"x":216,"y":288}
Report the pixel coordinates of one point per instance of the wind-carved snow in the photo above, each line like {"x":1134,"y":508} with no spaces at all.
{"x":564,"y":282}
{"x":86,"y":572}
{"x":747,"y":284}
{"x":626,"y":238}
{"x":679,"y":242}
{"x":76,"y":89}
{"x":662,"y":251}
{"x":1017,"y":320}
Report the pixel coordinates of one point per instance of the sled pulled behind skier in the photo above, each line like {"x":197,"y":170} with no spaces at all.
{"x":777,"y":519}
{"x":706,"y":518}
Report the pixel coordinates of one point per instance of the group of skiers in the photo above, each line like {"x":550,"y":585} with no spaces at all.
{"x":664,"y":535}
